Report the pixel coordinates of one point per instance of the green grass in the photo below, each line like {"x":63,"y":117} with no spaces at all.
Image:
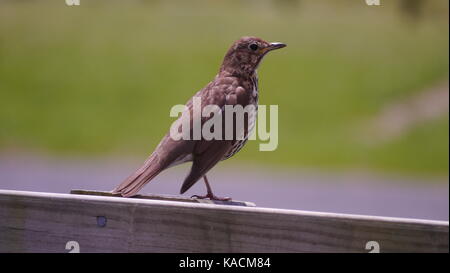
{"x":100,"y":78}
{"x":409,"y":152}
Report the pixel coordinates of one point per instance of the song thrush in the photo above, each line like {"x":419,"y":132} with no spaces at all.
{"x":235,"y":84}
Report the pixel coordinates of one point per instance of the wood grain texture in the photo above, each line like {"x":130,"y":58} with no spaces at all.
{"x":45,"y":222}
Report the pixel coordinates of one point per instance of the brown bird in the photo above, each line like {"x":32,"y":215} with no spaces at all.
{"x":235,"y":84}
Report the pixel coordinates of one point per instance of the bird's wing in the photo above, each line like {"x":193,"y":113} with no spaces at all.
{"x":207,"y":153}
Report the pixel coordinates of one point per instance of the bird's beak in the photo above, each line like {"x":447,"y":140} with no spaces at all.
{"x":271,"y":46}
{"x":276,"y":45}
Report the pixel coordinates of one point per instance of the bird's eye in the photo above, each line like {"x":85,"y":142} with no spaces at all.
{"x":253,"y":47}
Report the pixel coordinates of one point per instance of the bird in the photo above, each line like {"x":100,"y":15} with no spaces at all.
{"x":235,"y":84}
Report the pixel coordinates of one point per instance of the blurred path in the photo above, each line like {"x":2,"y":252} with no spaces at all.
{"x":399,"y":117}
{"x":346,"y":193}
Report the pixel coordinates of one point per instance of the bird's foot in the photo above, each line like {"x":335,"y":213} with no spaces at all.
{"x":211,"y":196}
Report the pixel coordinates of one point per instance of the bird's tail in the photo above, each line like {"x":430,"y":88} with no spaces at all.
{"x":138,"y":179}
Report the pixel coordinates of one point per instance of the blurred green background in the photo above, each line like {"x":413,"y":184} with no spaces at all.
{"x":99,"y":79}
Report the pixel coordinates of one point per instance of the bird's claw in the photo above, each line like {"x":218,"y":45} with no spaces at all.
{"x":211,"y":197}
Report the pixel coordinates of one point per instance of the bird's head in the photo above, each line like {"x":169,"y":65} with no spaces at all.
{"x":245,"y":54}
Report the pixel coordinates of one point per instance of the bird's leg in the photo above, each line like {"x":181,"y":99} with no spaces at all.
{"x":209,"y":193}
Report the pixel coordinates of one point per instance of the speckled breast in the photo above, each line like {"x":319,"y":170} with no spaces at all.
{"x":252,"y":115}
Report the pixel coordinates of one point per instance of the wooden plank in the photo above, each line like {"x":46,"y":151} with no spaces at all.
{"x":45,"y":222}
{"x":166,"y":197}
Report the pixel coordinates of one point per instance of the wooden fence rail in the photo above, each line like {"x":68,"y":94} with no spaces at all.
{"x":48,"y":222}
